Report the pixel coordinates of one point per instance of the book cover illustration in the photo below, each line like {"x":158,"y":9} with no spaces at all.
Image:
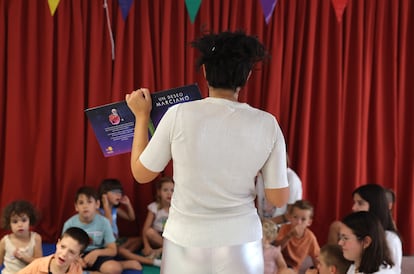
{"x":114,"y":123}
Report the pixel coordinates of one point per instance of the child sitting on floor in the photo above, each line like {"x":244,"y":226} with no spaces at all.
{"x":273,"y":258}
{"x":115,"y":204}
{"x":296,"y":239}
{"x":331,"y":261}
{"x":157,"y":217}
{"x":99,"y":254}
{"x":65,"y":260}
{"x":21,"y":246}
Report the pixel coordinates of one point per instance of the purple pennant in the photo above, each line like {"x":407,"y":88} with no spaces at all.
{"x":268,"y":7}
{"x":125,"y":5}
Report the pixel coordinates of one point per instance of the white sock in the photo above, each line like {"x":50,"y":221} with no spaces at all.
{"x":157,"y":262}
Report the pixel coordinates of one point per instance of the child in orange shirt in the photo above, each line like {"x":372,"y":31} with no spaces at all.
{"x":296,"y":239}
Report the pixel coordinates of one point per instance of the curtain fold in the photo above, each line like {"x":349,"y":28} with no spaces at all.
{"x":341,"y":91}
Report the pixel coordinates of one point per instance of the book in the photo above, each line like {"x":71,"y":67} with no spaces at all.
{"x":113,"y":124}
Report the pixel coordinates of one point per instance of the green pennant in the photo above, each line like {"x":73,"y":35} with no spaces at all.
{"x":192,"y":7}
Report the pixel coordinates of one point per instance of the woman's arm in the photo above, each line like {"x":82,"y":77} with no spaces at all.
{"x":277,"y":196}
{"x":140,"y":103}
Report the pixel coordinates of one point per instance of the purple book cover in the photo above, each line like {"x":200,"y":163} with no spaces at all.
{"x":114,"y":123}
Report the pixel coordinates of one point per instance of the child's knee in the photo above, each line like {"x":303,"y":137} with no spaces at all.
{"x":131,"y":264}
{"x":151,"y":233}
{"x":111,"y":267}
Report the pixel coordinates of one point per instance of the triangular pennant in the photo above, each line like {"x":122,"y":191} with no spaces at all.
{"x":339,"y":6}
{"x":268,"y":6}
{"x":192,"y":7}
{"x":53,"y":6}
{"x":125,"y":5}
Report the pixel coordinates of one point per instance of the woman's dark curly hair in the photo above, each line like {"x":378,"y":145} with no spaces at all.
{"x":18,"y":208}
{"x":228,"y":57}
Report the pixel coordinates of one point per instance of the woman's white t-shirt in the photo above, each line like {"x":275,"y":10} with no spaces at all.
{"x":217,"y":146}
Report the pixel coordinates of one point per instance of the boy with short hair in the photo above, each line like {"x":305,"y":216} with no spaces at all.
{"x":296,"y":239}
{"x":99,"y":254}
{"x":332,"y":260}
{"x":65,"y":260}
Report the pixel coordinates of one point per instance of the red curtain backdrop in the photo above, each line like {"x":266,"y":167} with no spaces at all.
{"x":343,"y":93}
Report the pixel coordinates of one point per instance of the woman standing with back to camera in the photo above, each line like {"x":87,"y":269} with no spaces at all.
{"x":218,"y":145}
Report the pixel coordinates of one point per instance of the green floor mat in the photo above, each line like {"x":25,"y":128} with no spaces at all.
{"x":150,"y":269}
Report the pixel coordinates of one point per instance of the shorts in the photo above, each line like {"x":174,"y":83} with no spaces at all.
{"x":245,"y":258}
{"x":99,"y":262}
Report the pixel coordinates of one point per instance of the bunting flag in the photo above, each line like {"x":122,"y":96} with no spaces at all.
{"x":268,"y":6}
{"x":53,"y":6}
{"x":192,"y":7}
{"x":125,"y":7}
{"x":339,"y":6}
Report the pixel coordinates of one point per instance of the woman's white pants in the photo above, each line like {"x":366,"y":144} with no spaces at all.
{"x":237,"y":259}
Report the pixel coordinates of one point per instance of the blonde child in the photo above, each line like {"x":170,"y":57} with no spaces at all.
{"x":21,"y":246}
{"x":156,"y":217}
{"x":65,"y":260}
{"x":296,"y":239}
{"x":115,"y":204}
{"x":273,"y":258}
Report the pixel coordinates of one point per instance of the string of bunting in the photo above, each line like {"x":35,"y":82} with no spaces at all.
{"x":193,"y":6}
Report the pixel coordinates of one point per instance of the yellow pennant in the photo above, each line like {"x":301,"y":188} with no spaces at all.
{"x":53,"y":5}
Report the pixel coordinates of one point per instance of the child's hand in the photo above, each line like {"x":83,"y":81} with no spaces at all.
{"x":16,"y":254}
{"x":293,"y":232}
{"x":297,"y":231}
{"x":90,"y":258}
{"x":82,"y":262}
{"x":21,"y":256}
{"x":125,"y":200}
